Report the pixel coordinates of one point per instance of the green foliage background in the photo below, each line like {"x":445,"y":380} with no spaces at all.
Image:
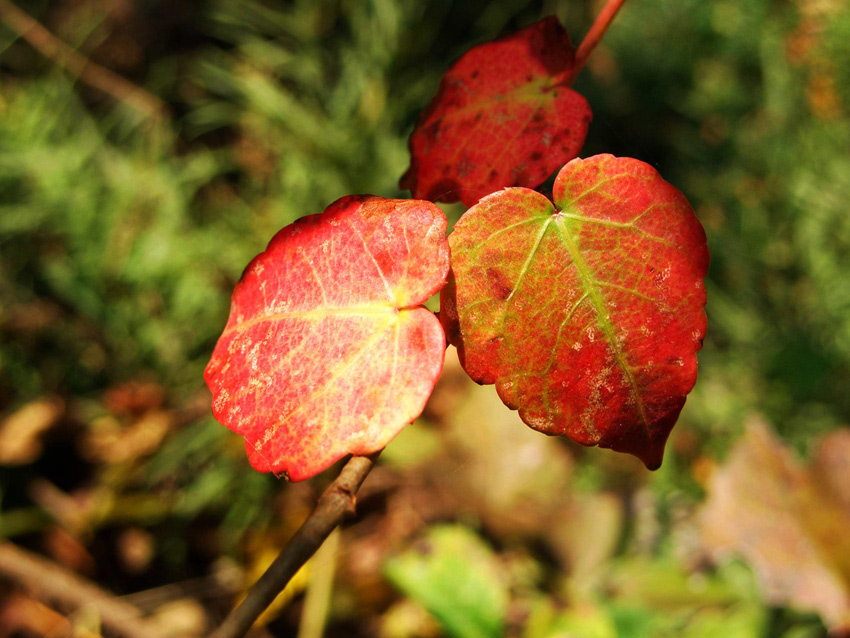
{"x":121,"y":237}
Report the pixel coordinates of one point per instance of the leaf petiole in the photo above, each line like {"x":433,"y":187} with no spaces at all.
{"x":594,"y":35}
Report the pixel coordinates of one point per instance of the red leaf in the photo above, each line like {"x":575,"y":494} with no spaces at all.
{"x":503,"y":116}
{"x":327,"y":351}
{"x":587,"y":317}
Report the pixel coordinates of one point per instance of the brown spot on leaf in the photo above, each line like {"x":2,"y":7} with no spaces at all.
{"x":550,"y":45}
{"x":464,"y":167}
{"x":519,"y":174}
{"x":432,"y":131}
{"x":501,"y":287}
{"x":524,"y":59}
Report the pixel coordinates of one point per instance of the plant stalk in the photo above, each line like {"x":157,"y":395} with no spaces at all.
{"x":51,"y":582}
{"x":79,"y":65}
{"x":337,"y":501}
{"x":594,"y":35}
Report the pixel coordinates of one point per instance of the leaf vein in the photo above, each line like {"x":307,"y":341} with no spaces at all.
{"x":374,"y":261}
{"x":325,"y":387}
{"x":524,"y":270}
{"x":607,"y":328}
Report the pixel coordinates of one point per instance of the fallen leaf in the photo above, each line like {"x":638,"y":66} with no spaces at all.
{"x":134,"y":397}
{"x":508,"y":475}
{"x":408,"y":619}
{"x":328,"y":351}
{"x":67,"y":549}
{"x":765,"y":507}
{"x":108,"y":440}
{"x":831,"y":465}
{"x":20,"y":432}
{"x":504,"y":115}
{"x":22,"y":615}
{"x":584,"y":534}
{"x":588,"y":316}
{"x":180,"y":618}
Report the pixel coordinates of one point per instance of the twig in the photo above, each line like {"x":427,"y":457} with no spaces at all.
{"x":50,"y":581}
{"x":597,"y":30}
{"x":336,"y":502}
{"x":79,"y":65}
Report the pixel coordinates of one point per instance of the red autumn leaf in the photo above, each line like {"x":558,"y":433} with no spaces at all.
{"x":328,"y":351}
{"x":587,"y":316}
{"x":504,"y":115}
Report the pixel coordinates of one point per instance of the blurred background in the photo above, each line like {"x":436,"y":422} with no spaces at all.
{"x":128,"y":211}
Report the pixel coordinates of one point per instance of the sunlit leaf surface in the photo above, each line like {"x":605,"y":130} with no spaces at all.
{"x":327,"y":350}
{"x":586,"y":314}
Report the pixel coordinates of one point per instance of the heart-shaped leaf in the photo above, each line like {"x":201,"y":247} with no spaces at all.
{"x":587,"y":316}
{"x":504,"y":115}
{"x":327,"y":350}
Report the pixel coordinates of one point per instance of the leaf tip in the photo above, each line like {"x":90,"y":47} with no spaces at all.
{"x":652,"y":459}
{"x":649,"y":451}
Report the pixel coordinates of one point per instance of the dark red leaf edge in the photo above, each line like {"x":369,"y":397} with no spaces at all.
{"x":479,"y":164}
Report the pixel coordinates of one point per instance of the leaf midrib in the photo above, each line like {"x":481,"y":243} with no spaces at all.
{"x":604,"y":323}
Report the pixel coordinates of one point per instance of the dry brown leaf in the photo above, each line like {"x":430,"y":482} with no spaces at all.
{"x":67,"y":550}
{"x":181,"y":618}
{"x":831,"y":465}
{"x":769,"y":509}
{"x":508,"y":473}
{"x":20,"y":432}
{"x":134,"y":397}
{"x":22,"y":615}
{"x":111,"y":442}
{"x":584,"y":536}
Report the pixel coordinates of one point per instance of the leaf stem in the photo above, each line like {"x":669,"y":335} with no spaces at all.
{"x":50,"y":582}
{"x":597,"y":30}
{"x":79,"y":65}
{"x":333,"y":505}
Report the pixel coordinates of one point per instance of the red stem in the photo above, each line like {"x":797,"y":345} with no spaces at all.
{"x":600,"y":26}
